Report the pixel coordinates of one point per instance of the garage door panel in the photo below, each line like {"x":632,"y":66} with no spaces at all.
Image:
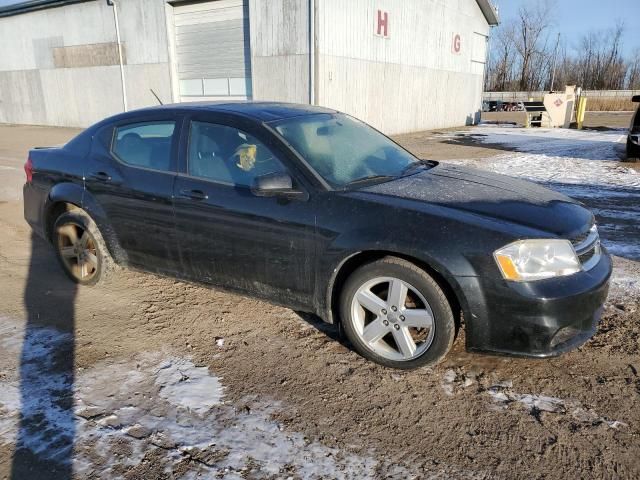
{"x":214,"y":37}
{"x":197,"y":7}
{"x":212,"y":49}
{"x":218,"y":49}
{"x":231,"y":59}
{"x":190,"y":30}
{"x":212,"y":74}
{"x":197,"y":18}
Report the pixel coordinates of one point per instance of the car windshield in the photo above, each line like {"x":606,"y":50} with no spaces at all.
{"x":344,"y":151}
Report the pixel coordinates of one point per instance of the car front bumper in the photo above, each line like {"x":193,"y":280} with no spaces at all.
{"x":535,"y":319}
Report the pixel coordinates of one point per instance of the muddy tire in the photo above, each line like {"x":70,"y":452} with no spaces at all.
{"x":396,"y":314}
{"x":81,"y":249}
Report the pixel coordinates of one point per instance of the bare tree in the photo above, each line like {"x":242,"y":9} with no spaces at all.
{"x":522,"y":53}
{"x":532,"y":42}
{"x":599,"y":61}
{"x":502,"y":59}
{"x":633,"y":70}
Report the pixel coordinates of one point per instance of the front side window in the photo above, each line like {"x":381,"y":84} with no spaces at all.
{"x":343,"y":150}
{"x":146,"y":145}
{"x":228,"y":155}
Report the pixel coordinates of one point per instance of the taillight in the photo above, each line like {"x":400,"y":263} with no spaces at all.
{"x":28,"y":169}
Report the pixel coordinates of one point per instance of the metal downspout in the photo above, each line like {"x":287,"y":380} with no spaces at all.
{"x":312,"y":52}
{"x":122,"y":79}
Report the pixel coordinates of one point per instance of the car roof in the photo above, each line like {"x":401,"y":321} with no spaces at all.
{"x":261,"y":111}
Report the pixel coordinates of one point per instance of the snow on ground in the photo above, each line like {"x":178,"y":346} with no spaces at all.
{"x":625,"y":281}
{"x":503,"y":397}
{"x":583,"y":164}
{"x":114,"y":413}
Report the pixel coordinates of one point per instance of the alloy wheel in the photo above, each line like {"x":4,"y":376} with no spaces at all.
{"x":77,"y":249}
{"x":392,"y":318}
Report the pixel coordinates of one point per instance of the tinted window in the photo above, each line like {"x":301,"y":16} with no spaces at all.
{"x":344,"y":150}
{"x":226,"y":154}
{"x":145,"y":145}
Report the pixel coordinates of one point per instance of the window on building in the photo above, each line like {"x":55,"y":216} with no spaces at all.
{"x":146,"y":145}
{"x":228,"y":155}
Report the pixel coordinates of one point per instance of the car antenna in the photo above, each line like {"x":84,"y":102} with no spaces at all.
{"x":157,"y":97}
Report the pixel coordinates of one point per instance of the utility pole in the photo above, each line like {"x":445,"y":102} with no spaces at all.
{"x":112,"y":3}
{"x":555,"y":57}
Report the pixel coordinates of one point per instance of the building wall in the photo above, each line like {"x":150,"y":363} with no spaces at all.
{"x":59,"y":66}
{"x":413,"y":79}
{"x":280,"y":50}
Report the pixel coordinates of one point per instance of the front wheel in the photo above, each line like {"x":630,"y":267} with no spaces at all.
{"x":80,"y":248}
{"x":395,"y":314}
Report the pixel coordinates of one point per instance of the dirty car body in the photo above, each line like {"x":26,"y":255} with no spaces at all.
{"x":633,"y":137}
{"x":293,"y":237}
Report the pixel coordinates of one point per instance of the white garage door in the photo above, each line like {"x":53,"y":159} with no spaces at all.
{"x":212,"y":50}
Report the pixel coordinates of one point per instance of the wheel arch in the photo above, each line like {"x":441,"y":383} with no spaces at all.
{"x":66,"y":197}
{"x":352,"y":262}
{"x":63,"y":197}
{"x":53,"y":212}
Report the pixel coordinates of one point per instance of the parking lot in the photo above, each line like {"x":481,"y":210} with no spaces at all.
{"x":148,"y":377}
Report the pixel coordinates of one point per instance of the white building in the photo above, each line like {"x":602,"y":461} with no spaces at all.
{"x":401,"y":65}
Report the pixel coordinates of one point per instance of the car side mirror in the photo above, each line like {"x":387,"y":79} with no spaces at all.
{"x":635,"y":99}
{"x":276,"y":185}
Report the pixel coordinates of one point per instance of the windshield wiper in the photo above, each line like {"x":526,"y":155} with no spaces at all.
{"x":415,"y":165}
{"x":369,"y":178}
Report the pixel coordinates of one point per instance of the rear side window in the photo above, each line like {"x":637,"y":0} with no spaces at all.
{"x":146,"y":145}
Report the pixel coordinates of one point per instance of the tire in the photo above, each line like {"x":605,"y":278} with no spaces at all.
{"x":388,"y":341}
{"x":89,"y":249}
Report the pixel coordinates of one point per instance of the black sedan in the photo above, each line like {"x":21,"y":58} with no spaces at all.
{"x":312,"y":209}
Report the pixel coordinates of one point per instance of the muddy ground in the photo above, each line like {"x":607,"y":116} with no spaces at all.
{"x":295,"y":401}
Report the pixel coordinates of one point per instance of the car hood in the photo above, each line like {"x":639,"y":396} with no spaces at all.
{"x":489,"y":194}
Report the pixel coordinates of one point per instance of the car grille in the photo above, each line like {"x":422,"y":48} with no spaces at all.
{"x":587,"y":247}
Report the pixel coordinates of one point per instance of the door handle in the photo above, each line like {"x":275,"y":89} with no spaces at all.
{"x":194,"y":194}
{"x":100,"y":176}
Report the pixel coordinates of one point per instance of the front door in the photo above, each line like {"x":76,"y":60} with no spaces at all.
{"x":130,"y":174}
{"x":231,"y":237}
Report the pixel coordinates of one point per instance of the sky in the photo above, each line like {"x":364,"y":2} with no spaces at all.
{"x":572,"y":18}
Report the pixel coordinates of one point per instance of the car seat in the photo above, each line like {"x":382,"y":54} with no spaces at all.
{"x":134,"y":150}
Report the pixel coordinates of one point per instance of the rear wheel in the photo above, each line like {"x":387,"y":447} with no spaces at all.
{"x":80,"y":248}
{"x":395,"y":314}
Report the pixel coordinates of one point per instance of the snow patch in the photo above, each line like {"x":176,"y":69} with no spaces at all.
{"x":153,"y":402}
{"x":43,"y":354}
{"x":555,"y":142}
{"x":504,"y":396}
{"x":625,"y":282}
{"x":183,"y":384}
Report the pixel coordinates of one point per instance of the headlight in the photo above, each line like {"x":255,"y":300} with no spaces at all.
{"x":527,"y":260}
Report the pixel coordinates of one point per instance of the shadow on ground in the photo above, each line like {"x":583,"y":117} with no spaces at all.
{"x":45,"y":440}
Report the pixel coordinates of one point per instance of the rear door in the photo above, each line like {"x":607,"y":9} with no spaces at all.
{"x":131,"y":173}
{"x":228,"y":235}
